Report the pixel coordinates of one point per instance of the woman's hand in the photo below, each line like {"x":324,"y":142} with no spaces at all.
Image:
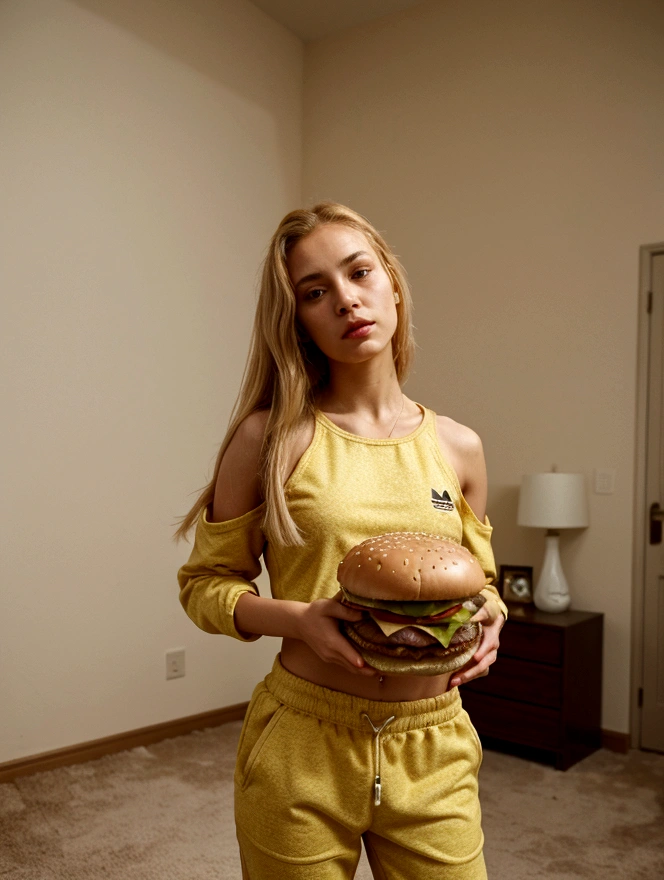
{"x":318,"y":626}
{"x":492,"y":620}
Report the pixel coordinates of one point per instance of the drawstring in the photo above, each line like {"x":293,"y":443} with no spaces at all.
{"x":377,"y":731}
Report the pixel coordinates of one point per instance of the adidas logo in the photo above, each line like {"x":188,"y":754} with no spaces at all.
{"x":442,"y":502}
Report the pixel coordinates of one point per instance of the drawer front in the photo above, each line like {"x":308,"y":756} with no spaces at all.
{"x":531,"y":642}
{"x":521,"y":723}
{"x":521,"y":680}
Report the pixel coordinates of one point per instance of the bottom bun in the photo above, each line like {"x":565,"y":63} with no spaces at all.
{"x":426,"y":665}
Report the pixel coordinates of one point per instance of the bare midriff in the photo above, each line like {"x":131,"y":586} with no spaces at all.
{"x":297,"y":657}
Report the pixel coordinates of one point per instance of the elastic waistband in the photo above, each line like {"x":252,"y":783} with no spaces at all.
{"x":341,"y":708}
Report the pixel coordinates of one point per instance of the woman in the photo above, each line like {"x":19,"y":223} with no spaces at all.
{"x":324,"y":451}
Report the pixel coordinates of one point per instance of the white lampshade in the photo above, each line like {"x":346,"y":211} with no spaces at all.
{"x":553,"y":501}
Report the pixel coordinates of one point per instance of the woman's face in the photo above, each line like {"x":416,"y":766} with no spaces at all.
{"x":339,"y":281}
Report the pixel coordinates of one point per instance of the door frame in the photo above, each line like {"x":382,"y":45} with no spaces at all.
{"x":646,"y":252}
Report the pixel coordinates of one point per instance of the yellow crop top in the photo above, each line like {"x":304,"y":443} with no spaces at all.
{"x":344,"y":489}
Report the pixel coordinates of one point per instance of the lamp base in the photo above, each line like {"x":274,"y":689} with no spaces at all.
{"x":552,"y":590}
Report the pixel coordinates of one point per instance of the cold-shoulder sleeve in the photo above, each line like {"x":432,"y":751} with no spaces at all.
{"x":222,"y":565}
{"x":477,"y":539}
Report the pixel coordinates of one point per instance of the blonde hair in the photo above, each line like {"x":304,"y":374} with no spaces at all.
{"x":285,"y":369}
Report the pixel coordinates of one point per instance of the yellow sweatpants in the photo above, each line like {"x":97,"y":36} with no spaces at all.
{"x":319,"y":770}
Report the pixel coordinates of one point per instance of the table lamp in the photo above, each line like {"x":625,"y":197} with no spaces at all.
{"x":553,"y":501}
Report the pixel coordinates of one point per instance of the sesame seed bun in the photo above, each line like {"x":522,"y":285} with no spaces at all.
{"x":410,"y":567}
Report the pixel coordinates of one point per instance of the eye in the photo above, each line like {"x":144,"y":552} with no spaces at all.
{"x":361,"y":273}
{"x":312,"y":294}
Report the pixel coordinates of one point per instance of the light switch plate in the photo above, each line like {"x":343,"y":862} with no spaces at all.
{"x":605,"y":481}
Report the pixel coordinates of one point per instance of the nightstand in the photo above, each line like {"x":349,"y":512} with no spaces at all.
{"x":544,"y":691}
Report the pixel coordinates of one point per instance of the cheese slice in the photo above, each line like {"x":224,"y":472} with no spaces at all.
{"x":389,"y":628}
{"x":442,"y":634}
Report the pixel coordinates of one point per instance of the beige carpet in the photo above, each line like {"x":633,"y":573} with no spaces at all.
{"x":165,"y":813}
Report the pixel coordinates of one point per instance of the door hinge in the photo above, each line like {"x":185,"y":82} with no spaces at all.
{"x":640,"y":698}
{"x":649,"y":309}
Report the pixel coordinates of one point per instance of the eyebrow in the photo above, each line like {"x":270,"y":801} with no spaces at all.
{"x":314,"y":276}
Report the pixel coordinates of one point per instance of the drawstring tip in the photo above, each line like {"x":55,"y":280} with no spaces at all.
{"x":377,"y":731}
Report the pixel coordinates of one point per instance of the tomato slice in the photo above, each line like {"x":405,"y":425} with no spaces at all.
{"x":388,"y":616}
{"x":391,"y":617}
{"x":349,"y":604}
{"x":449,"y":613}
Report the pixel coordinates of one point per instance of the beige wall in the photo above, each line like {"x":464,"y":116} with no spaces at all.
{"x":149,"y":149}
{"x":513,"y":154}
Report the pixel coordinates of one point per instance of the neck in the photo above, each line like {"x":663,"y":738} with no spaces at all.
{"x":369,"y":389}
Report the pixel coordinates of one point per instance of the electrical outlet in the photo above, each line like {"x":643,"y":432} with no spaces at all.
{"x":175,"y":663}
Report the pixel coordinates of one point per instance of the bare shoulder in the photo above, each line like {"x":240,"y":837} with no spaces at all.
{"x":462,"y":446}
{"x":238,"y":489}
{"x":300,"y":442}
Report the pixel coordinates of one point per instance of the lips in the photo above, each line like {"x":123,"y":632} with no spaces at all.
{"x":358,"y":329}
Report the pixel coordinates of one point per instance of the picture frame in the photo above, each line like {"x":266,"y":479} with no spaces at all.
{"x":515,"y":584}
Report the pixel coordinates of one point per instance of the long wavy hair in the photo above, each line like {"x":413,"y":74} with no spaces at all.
{"x":285,"y":370}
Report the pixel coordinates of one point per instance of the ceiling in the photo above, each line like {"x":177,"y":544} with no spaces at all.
{"x":313,"y":19}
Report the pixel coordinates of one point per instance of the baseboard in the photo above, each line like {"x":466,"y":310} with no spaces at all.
{"x":616,"y":742}
{"x":144,"y":736}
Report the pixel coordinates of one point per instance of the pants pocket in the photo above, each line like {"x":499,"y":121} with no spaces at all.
{"x":475,"y":737}
{"x":247,"y":722}
{"x":261,"y":721}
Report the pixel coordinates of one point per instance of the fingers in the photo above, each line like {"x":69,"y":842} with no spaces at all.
{"x":479,"y":617}
{"x":476,"y":670}
{"x":489,"y":612}
{"x":364,"y":669}
{"x":335,"y":609}
{"x":321,"y":632}
{"x":485,"y":655}
{"x":489,"y":643}
{"x":352,"y":661}
{"x":343,"y":613}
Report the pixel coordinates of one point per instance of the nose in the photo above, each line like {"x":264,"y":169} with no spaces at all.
{"x":346,"y":299}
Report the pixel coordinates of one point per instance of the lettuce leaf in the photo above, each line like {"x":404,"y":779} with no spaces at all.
{"x":444,"y":633}
{"x":408,"y":609}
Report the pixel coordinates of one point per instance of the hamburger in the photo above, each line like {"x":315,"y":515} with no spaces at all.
{"x":416,"y":592}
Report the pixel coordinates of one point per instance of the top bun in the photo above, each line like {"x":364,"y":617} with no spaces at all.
{"x":411,"y":567}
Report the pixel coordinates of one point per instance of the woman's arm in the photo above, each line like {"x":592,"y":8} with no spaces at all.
{"x":238,"y":491}
{"x":316,"y":623}
{"x":474,"y":487}
{"x":225,"y":558}
{"x":473,"y":477}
